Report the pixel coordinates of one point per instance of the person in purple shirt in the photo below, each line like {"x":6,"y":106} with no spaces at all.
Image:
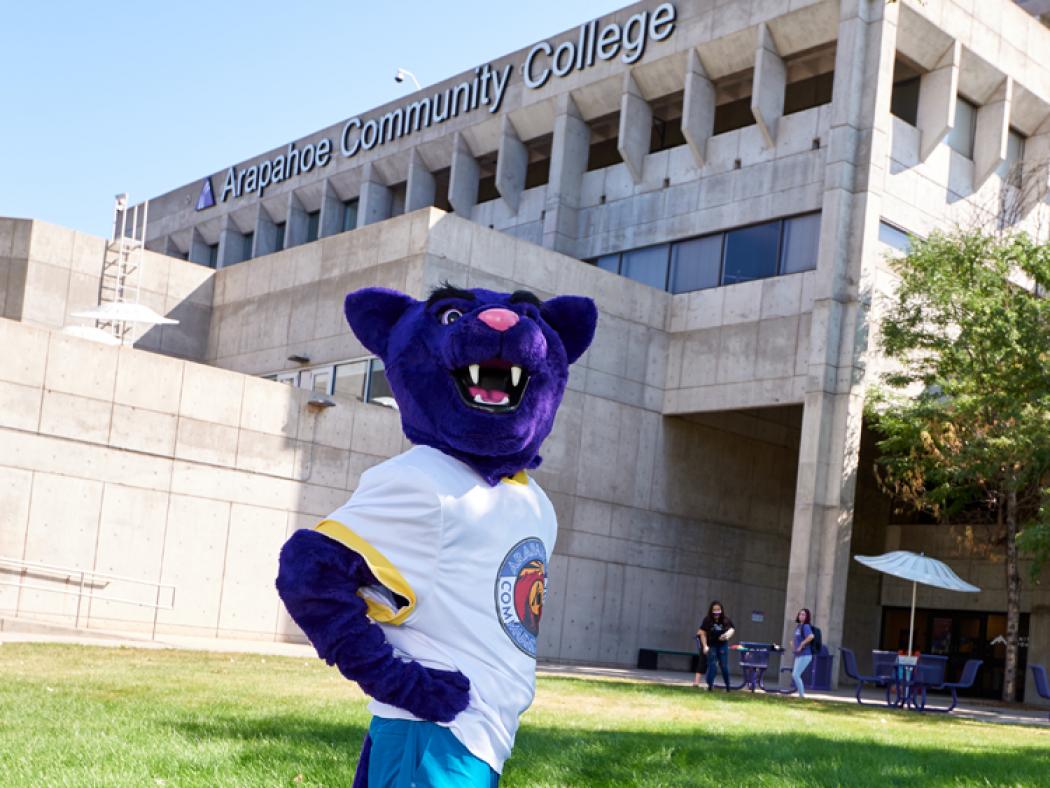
{"x":800,"y":644}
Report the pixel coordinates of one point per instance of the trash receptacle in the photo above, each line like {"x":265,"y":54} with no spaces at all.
{"x":818,"y":675}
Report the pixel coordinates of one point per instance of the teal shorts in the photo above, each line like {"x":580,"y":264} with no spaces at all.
{"x":411,"y":754}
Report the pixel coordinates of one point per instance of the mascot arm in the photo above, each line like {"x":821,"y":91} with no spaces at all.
{"x":318,"y":582}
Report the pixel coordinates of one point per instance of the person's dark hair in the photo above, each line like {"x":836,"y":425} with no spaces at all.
{"x":711,"y":607}
{"x":809,"y":616}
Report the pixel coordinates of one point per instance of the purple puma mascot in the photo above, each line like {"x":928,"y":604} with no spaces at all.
{"x":426,"y":587}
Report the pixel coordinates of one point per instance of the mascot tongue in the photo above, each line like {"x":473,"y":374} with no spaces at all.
{"x":489,"y":396}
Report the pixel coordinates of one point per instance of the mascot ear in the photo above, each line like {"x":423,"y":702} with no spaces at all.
{"x":574,"y":319}
{"x":372,"y":313}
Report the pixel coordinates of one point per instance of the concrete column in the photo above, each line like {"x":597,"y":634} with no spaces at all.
{"x":1038,"y":641}
{"x":375,"y":201}
{"x":569,"y":149}
{"x":767,"y":87}
{"x":698,"y":108}
{"x":265,"y":235}
{"x":512,"y":165}
{"x":937,"y":94}
{"x":420,"y":188}
{"x":993,"y":126}
{"x":849,"y":252}
{"x":636,"y":127}
{"x":331,"y":221}
{"x":295,"y":224}
{"x":198,"y":248}
{"x":463,"y":178}
{"x":231,"y":244}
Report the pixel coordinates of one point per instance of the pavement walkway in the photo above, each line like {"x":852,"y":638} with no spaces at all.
{"x":968,"y":708}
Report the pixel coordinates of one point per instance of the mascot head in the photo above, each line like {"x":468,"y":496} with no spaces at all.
{"x":476,"y":374}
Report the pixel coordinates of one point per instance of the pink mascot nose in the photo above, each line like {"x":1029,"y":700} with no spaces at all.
{"x":498,"y":319}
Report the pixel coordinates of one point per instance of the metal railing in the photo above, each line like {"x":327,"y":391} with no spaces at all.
{"x":87,"y":581}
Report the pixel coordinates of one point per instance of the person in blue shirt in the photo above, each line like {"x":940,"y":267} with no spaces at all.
{"x":803,"y":651}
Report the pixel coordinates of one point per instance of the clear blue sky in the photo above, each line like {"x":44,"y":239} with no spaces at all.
{"x":98,"y":98}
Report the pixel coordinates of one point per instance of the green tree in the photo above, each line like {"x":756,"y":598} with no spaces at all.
{"x":964,"y":419}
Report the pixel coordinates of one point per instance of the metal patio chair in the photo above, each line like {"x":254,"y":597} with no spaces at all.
{"x":849,"y":665}
{"x":969,"y":673}
{"x":1042,"y":686}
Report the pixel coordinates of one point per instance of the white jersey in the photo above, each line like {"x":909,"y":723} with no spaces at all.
{"x":462,"y":568}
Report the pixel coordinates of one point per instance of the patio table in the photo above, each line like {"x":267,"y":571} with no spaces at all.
{"x":754,"y":661}
{"x":911,"y":679}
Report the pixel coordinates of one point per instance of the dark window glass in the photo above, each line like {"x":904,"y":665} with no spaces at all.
{"x":667,"y":133}
{"x":603,"y":154}
{"x":960,"y":138}
{"x":696,"y":264}
{"x":313,"y":224}
{"x":378,"y":388}
{"x":1010,"y":170}
{"x":808,"y":93}
{"x":734,"y":115}
{"x":904,"y":100}
{"x":801,"y":242}
{"x":246,"y":247}
{"x":648,"y":266}
{"x":349,"y":215}
{"x":213,"y":255}
{"x":278,"y":244}
{"x":609,"y":262}
{"x":751,"y":253}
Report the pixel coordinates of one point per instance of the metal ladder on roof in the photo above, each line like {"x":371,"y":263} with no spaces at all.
{"x":122,"y":264}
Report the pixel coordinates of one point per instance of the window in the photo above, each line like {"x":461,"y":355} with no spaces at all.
{"x":350,"y":379}
{"x":696,"y":264}
{"x":960,"y":138}
{"x":246,"y":245}
{"x":213,"y":255}
{"x":363,"y":379}
{"x":321,"y":380}
{"x":278,"y":243}
{"x":798,"y":249}
{"x":648,"y":266}
{"x":1011,"y":170}
{"x":783,"y":246}
{"x":350,"y":215}
{"x":378,"y":389}
{"x":751,"y":253}
{"x":733,"y":115}
{"x":313,"y":224}
{"x":808,"y":93}
{"x":894,"y":237}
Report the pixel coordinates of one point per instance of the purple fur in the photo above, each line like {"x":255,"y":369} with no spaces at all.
{"x":318,"y":581}
{"x":420,"y":355}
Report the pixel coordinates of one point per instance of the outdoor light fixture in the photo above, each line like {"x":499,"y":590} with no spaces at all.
{"x":402,"y":73}
{"x":299,"y":358}
{"x":320,"y":401}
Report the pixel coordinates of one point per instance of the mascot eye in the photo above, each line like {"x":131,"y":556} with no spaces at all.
{"x":450,"y":316}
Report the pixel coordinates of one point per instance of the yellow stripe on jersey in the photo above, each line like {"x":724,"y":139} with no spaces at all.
{"x":386,"y":573}
{"x":519,"y":478}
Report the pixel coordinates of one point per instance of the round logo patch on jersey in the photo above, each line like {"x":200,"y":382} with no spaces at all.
{"x":519,"y":593}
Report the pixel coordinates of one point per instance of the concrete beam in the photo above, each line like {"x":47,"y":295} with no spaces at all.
{"x":570,"y":147}
{"x":698,"y":108}
{"x":331,"y":222}
{"x":463,"y":178}
{"x":993,"y":126}
{"x":420,"y":188}
{"x":767,"y":87}
{"x":937,"y":95}
{"x":375,"y":201}
{"x":636,"y":127}
{"x":512,"y":165}
{"x":295,"y":225}
{"x":265,"y":235}
{"x":231,"y":244}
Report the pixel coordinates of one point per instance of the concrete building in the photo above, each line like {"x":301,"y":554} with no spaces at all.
{"x":724,"y":178}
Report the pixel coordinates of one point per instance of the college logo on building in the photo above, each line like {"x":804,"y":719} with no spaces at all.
{"x":206,"y":199}
{"x":520,"y":584}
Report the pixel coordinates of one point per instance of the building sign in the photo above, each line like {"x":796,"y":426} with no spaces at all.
{"x":596,"y":41}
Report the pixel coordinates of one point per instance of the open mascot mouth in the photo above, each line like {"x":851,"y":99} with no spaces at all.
{"x":494,"y":386}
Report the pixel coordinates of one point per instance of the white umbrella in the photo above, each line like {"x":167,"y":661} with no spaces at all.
{"x":919,"y":568}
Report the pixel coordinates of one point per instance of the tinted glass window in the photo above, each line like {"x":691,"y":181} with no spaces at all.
{"x":904,"y":101}
{"x":246,"y":247}
{"x":894,"y":237}
{"x":960,"y":138}
{"x":378,"y":388}
{"x":696,"y":264}
{"x":313,"y":223}
{"x":751,"y":253}
{"x":279,"y":242}
{"x":1010,"y":169}
{"x":350,"y":379}
{"x":349,"y":215}
{"x":648,"y":266}
{"x":801,"y":241}
{"x":609,"y":262}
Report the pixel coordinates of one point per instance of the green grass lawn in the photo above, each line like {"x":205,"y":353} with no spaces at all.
{"x":86,"y":716}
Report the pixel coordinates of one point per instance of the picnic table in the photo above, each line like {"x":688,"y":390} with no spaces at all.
{"x":911,"y":678}
{"x":754,"y":661}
